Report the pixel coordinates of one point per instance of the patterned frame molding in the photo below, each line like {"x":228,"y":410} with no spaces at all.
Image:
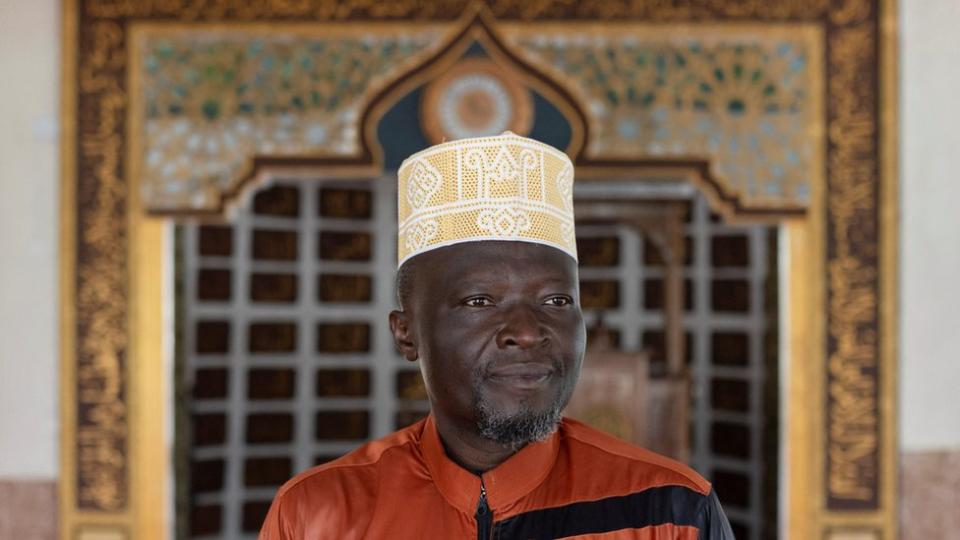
{"x":842,"y":443}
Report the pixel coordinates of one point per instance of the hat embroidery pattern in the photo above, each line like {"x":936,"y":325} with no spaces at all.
{"x":425,"y":181}
{"x":504,"y":222}
{"x":565,"y":186}
{"x":504,"y":187}
{"x":567,"y":232}
{"x":421,"y":234}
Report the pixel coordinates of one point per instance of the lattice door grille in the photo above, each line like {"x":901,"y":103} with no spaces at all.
{"x":288,"y":351}
{"x":726,"y":311}
{"x":289,"y":360}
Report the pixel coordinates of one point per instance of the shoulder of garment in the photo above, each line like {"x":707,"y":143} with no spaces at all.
{"x":333,"y":494}
{"x":610,"y":487}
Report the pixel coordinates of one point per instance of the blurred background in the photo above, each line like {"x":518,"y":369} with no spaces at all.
{"x":199,"y":246}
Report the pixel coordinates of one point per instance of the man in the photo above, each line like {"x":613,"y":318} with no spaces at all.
{"x":489,"y":306}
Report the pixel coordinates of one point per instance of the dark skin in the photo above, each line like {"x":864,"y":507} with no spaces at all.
{"x":493,"y":321}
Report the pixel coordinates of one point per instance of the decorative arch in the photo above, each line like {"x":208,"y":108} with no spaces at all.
{"x":842,"y":449}
{"x":478,"y":26}
{"x":439,"y":46}
{"x":733,"y":113}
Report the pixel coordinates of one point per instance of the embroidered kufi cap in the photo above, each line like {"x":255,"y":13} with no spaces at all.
{"x":505,"y":187}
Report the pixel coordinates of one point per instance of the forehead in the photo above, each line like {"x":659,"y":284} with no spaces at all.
{"x":495,"y":261}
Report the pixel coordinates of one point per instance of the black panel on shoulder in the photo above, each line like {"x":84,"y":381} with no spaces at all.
{"x":678,"y":505}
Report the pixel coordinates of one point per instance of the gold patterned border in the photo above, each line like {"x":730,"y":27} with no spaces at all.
{"x":841,"y":442}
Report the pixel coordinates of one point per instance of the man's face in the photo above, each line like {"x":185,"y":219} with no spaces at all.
{"x":498,"y":330}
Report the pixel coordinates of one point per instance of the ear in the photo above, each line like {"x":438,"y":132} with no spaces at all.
{"x":403,"y":335}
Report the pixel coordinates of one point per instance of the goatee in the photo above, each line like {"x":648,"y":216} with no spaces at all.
{"x":518,"y":428}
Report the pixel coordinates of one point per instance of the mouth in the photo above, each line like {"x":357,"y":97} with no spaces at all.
{"x":523,"y":377}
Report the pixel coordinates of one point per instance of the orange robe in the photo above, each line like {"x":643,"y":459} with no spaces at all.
{"x":578,"y":483}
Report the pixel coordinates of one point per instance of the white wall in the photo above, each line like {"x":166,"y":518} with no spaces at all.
{"x":29,"y":103}
{"x":930,"y":226}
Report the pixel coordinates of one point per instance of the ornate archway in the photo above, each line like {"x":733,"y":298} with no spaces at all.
{"x":798,"y":131}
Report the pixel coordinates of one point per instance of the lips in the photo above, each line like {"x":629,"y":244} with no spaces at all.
{"x":521,"y":376}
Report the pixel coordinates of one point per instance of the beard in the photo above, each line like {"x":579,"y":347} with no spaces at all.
{"x":526,"y":423}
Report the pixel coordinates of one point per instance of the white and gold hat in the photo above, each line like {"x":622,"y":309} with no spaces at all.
{"x":505,"y":187}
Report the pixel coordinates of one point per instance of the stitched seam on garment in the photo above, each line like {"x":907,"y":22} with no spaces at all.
{"x":324,"y":468}
{"x":695,"y":484}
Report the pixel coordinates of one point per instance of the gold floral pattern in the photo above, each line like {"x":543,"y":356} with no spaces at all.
{"x":212,"y":101}
{"x":743,"y":101}
{"x":97,"y":432}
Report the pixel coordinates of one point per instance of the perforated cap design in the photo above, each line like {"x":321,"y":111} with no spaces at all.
{"x":505,"y":187}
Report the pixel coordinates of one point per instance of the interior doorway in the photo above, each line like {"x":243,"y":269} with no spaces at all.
{"x":287,"y":360}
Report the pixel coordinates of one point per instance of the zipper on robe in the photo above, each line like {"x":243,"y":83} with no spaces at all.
{"x":484,"y":516}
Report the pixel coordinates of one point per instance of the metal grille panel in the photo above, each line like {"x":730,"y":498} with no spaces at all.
{"x":291,"y":362}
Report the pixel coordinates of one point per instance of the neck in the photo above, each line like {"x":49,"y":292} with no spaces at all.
{"x":469,"y":449}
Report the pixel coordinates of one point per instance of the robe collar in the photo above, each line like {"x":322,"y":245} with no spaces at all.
{"x":505,"y":484}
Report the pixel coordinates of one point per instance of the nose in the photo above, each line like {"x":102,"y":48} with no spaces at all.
{"x":522,"y":329}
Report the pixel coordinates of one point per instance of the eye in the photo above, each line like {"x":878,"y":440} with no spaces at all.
{"x":478,"y":301}
{"x":559,"y":301}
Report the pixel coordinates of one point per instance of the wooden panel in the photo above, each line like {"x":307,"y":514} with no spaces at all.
{"x":272,"y":337}
{"x":653,"y":294}
{"x":212,"y":337}
{"x":345,"y":203}
{"x":613,"y":334}
{"x":270,"y":383}
{"x":730,"y":395}
{"x":598,"y":251}
{"x":730,"y":349}
{"x":210,"y":383}
{"x":342,"y":425}
{"x":343,"y":337}
{"x":276,"y":288}
{"x":214,"y":284}
{"x":730,"y":295}
{"x":611,"y":394}
{"x":730,"y":250}
{"x":215,"y":241}
{"x":266,"y":471}
{"x":343,"y":383}
{"x":206,"y":475}
{"x":344,"y":288}
{"x":209,"y":429}
{"x":732,"y":488}
{"x":269,"y":428}
{"x":272,"y":245}
{"x":345,"y":246}
{"x":254,"y":514}
{"x":653,"y":257}
{"x":653,"y":342}
{"x":280,"y":201}
{"x":205,"y":519}
{"x":599,"y":294}
{"x":730,"y":439}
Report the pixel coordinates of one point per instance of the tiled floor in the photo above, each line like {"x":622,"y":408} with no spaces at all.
{"x":930,"y":495}
{"x":28,"y":510}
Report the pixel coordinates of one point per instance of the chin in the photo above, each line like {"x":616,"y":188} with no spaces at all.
{"x":519,"y":429}
{"x":519,"y":422}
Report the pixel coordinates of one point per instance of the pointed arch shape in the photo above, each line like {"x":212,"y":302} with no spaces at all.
{"x":477,"y":25}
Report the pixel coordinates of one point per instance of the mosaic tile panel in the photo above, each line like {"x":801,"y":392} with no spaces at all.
{"x":210,"y":101}
{"x":745,"y":103}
